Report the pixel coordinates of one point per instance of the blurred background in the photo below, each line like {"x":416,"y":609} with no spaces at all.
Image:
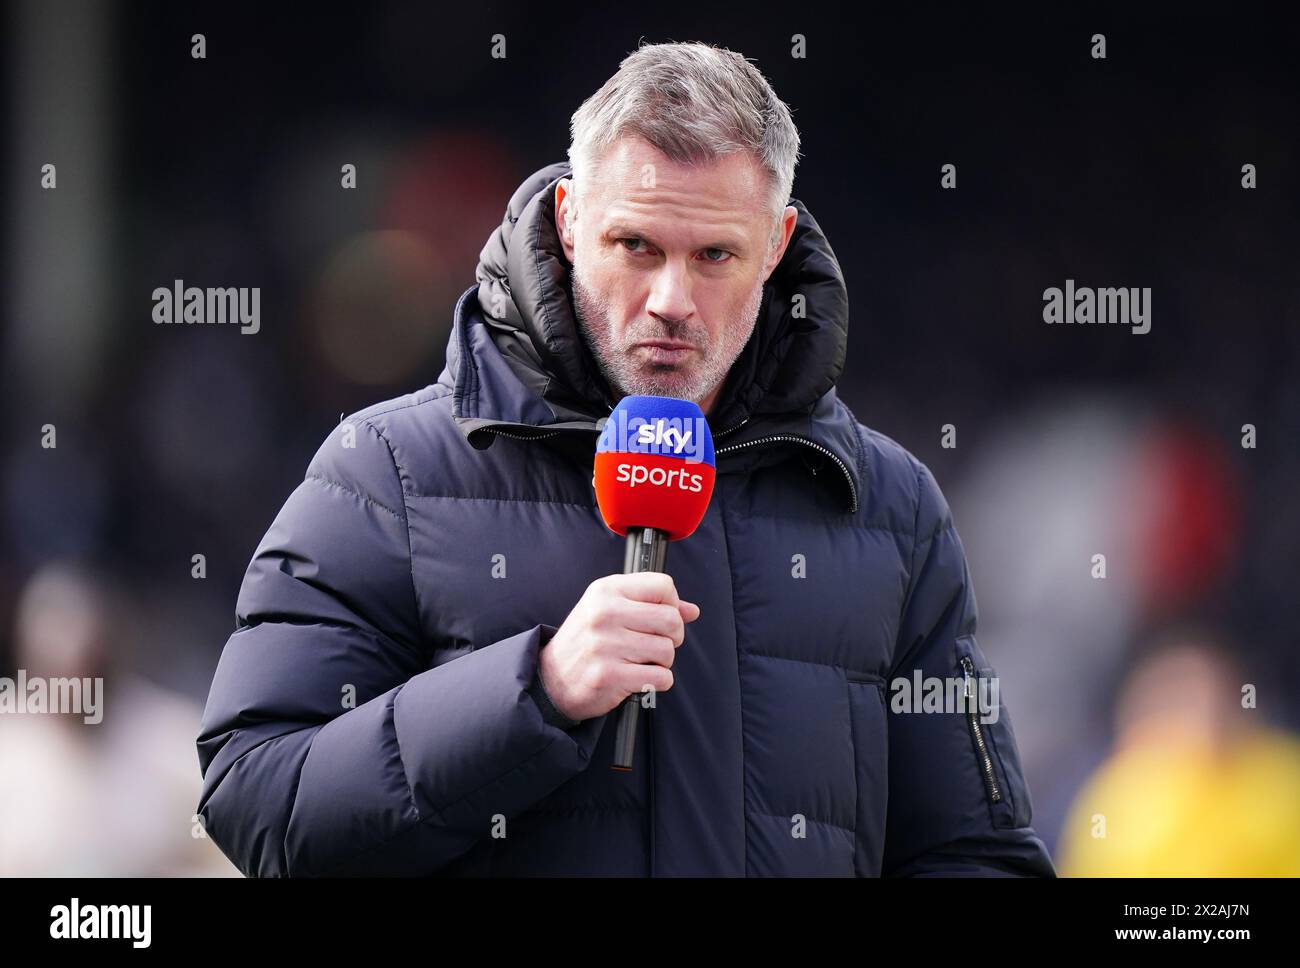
{"x":172,"y":442}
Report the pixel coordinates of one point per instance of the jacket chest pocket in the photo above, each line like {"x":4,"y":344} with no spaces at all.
{"x":870,"y":726}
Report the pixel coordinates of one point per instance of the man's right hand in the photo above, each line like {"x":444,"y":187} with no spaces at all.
{"x":621,"y":636}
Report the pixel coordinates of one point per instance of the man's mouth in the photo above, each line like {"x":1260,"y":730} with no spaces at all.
{"x":665,"y":351}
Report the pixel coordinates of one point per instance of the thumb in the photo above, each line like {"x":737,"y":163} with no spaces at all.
{"x":690,"y":611}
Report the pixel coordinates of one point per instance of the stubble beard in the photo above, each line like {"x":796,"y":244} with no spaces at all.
{"x":626,"y":370}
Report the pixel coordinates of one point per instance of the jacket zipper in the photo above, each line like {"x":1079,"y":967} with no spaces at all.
{"x":722,"y":433}
{"x":506,"y":433}
{"x":990,"y":779}
{"x":802,"y":440}
{"x":650,"y":758}
{"x":730,"y":447}
{"x":649,"y":713}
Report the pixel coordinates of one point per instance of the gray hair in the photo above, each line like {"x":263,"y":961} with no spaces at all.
{"x":695,"y":103}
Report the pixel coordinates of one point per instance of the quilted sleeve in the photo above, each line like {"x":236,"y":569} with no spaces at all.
{"x":328,"y":746}
{"x":958,"y":801}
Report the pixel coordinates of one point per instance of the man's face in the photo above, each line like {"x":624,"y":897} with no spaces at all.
{"x":669,"y":263}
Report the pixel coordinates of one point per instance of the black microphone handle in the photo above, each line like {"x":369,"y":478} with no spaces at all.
{"x":647,"y":550}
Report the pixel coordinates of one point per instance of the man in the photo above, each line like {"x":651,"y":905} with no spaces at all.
{"x":435,"y":629}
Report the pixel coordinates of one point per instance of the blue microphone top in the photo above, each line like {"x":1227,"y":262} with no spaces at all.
{"x":664,"y":426}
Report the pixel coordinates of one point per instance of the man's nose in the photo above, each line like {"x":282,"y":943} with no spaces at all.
{"x":670,"y":294}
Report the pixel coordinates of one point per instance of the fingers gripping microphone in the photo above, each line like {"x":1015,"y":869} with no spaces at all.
{"x":653,"y":477}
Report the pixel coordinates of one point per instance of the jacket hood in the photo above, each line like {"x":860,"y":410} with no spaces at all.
{"x":518,"y":362}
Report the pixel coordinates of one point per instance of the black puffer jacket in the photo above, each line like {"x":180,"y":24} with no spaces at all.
{"x":376,"y":709}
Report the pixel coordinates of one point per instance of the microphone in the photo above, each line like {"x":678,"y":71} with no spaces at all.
{"x":654,"y":475}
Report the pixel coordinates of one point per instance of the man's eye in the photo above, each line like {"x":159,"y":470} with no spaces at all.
{"x":634,"y":241}
{"x":716,"y":261}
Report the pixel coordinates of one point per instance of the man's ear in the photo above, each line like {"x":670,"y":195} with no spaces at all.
{"x":564,"y":209}
{"x":789,"y":218}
